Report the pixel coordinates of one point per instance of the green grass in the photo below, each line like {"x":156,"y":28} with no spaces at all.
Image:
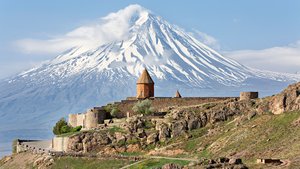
{"x":273,"y":136}
{"x":132,"y":153}
{"x":155,"y":163}
{"x":115,"y":129}
{"x":264,"y":136}
{"x":205,"y":154}
{"x":84,"y":163}
{"x":69,"y":134}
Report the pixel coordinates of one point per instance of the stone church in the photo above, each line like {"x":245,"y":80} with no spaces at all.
{"x":144,"y":86}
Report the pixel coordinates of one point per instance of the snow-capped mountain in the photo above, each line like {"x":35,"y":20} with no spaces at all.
{"x":92,"y":75}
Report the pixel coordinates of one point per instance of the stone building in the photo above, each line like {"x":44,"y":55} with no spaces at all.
{"x":144,"y":86}
{"x":89,"y":119}
{"x":248,"y":95}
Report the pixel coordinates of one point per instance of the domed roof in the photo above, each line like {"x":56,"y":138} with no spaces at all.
{"x":145,"y":78}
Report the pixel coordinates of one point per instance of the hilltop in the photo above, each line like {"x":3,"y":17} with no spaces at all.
{"x":97,"y":73}
{"x":203,"y":135}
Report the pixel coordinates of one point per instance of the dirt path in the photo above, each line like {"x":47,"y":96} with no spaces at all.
{"x":147,"y":157}
{"x":127,"y":166}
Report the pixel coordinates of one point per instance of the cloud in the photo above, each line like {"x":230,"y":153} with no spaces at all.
{"x":206,"y":39}
{"x":149,"y":60}
{"x":113,"y":27}
{"x":280,"y":59}
{"x":158,"y":60}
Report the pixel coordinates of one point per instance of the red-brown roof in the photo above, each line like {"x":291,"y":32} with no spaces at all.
{"x":177,"y":94}
{"x":145,"y":78}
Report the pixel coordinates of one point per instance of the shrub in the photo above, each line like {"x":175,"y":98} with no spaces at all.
{"x":62,"y":127}
{"x":76,"y":129}
{"x":143,"y":107}
{"x":65,"y":129}
{"x":112,"y":109}
{"x":114,"y":112}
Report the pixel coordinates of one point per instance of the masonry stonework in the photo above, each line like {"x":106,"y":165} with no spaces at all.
{"x":73,"y":120}
{"x":89,"y":119}
{"x":144,"y":86}
{"x":248,"y":95}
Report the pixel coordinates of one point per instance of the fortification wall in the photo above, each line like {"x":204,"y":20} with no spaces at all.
{"x":60,"y":143}
{"x":72,"y":120}
{"x":36,"y":146}
{"x":248,"y":95}
{"x":91,"y":120}
{"x":163,"y":103}
{"x":81,"y":120}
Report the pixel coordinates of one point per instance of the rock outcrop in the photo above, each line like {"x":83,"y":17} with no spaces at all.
{"x":89,"y":141}
{"x":142,"y":131}
{"x":287,"y":100}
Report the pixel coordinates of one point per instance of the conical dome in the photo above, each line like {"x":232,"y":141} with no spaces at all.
{"x":177,"y":95}
{"x":145,"y":78}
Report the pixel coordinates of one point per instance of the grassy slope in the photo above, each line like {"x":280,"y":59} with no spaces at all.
{"x":265,"y":136}
{"x":154,"y":163}
{"x":84,"y":163}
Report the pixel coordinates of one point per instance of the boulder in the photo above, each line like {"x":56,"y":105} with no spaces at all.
{"x":86,"y":141}
{"x":120,"y":137}
{"x":178,"y":127}
{"x":163,"y":132}
{"x":7,"y":159}
{"x":288,"y":100}
{"x":141,"y":133}
{"x":235,"y":161}
{"x":152,"y":138}
{"x":133,"y":148}
{"x":171,"y":166}
{"x":134,"y":123}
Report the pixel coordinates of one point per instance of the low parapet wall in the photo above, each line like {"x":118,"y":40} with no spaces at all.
{"x":60,"y":144}
{"x":37,"y":146}
{"x":162,"y":103}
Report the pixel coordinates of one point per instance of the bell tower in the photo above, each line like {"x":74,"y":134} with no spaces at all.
{"x":144,"y":86}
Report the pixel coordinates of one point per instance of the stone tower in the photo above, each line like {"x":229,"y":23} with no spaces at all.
{"x":144,"y":86}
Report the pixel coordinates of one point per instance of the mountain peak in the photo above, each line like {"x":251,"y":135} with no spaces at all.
{"x":133,"y":14}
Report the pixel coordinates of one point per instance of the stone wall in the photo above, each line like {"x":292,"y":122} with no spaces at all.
{"x":145,"y":90}
{"x":88,"y":120}
{"x":162,"y":104}
{"x":80,"y":120}
{"x":97,"y":115}
{"x":60,"y":143}
{"x":36,"y":146}
{"x":72,"y":120}
{"x":248,"y":95}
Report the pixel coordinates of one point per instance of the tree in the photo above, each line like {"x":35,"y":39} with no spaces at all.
{"x":143,"y":107}
{"x":60,"y":127}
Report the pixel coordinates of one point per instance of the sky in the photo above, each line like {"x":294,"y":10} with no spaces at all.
{"x":260,"y":34}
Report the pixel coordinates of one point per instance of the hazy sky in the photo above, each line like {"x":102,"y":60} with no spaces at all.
{"x":261,"y":34}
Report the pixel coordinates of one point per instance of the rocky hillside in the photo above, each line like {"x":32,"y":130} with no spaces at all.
{"x":92,"y":75}
{"x":211,"y":135}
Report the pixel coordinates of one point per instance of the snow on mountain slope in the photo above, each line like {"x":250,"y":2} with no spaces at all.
{"x":90,"y":75}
